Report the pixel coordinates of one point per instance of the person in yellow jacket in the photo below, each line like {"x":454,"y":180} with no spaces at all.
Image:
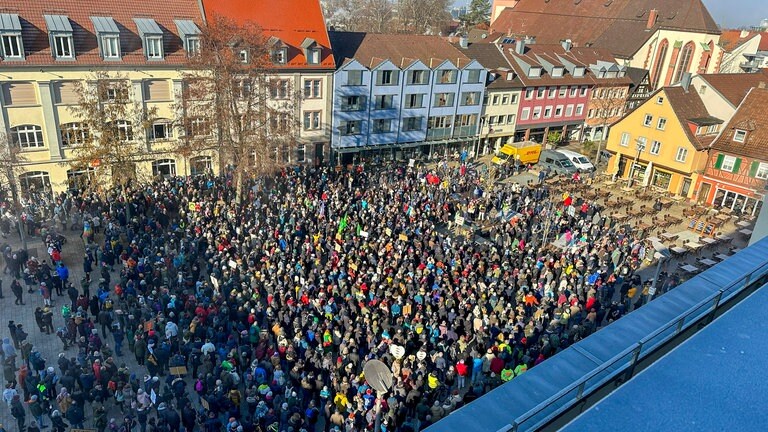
{"x":507,"y":374}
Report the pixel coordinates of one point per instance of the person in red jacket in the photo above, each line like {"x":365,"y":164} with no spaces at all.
{"x":497,"y":365}
{"x":461,"y":370}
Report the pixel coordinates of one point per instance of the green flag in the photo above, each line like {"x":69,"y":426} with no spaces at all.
{"x":342,"y":224}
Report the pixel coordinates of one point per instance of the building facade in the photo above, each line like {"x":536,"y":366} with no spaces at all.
{"x":389,"y":104}
{"x":744,"y":51}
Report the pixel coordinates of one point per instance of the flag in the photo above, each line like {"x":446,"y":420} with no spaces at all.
{"x":342,"y":224}
{"x":357,"y":230}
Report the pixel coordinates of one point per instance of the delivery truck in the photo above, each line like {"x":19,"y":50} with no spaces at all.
{"x":528,"y":151}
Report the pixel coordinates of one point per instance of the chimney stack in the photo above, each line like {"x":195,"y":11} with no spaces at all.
{"x":653,"y":15}
{"x":567,"y":44}
{"x":464,"y":41}
{"x":520,"y":46}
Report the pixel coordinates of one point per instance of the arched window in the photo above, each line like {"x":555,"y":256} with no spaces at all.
{"x":164,"y":168}
{"x":659,"y":65}
{"x":685,"y":62}
{"x":200,"y":165}
{"x":78,"y":177}
{"x":35,"y":185}
{"x":74,"y":133}
{"x":27,"y":136}
{"x":706,"y":57}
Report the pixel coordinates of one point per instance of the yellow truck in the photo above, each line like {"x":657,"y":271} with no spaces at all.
{"x":528,"y":151}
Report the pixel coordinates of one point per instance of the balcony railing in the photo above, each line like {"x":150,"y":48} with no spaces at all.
{"x":465,"y":131}
{"x":434,"y":134}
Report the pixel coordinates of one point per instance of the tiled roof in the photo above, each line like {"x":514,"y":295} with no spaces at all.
{"x":688,"y":107}
{"x":732,"y":39}
{"x":733,"y":87}
{"x":35,"y":29}
{"x":492,"y":57}
{"x":291,"y":21}
{"x":370,"y":49}
{"x":618,"y":25}
{"x":752,"y":112}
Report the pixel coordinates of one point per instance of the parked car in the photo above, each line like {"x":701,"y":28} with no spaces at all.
{"x":581,"y":162}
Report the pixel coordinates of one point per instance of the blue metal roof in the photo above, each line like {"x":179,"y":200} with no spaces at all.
{"x":104,"y":25}
{"x":10,"y":22}
{"x":58,"y":23}
{"x":711,"y":382}
{"x":500,"y":408}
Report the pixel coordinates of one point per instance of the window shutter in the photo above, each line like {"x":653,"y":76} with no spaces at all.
{"x":20,"y":93}
{"x":753,"y":168}
{"x":719,"y":161}
{"x":157,"y":90}
{"x":66,"y":92}
{"x":736,"y":165}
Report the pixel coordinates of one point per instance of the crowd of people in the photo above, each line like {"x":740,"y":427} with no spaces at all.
{"x":258,"y":313}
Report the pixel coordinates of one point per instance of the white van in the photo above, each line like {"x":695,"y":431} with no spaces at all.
{"x":580,"y":161}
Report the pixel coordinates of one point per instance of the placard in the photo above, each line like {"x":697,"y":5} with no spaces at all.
{"x":364,"y":234}
{"x":458,"y":220}
{"x":204,"y":403}
{"x":232,"y":264}
{"x":388,"y":231}
{"x":149,"y":325}
{"x":353,"y":266}
{"x":403,"y":237}
{"x":338,"y":248}
{"x":178,"y":370}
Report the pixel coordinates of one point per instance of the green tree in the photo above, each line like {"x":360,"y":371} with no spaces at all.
{"x":479,"y":12}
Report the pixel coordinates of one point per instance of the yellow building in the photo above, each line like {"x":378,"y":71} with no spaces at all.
{"x":663,"y":142}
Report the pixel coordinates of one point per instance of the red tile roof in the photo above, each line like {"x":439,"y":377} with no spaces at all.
{"x":37,"y":45}
{"x":291,"y":21}
{"x":370,"y":49}
{"x":731,"y":39}
{"x":733,"y":87}
{"x":752,"y":117}
{"x":689,"y":108}
{"x":618,"y":25}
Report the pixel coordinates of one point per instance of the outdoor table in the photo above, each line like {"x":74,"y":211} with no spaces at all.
{"x":678,"y":198}
{"x":724,"y":238}
{"x":694,"y":246}
{"x":746,"y":232}
{"x":654,"y":239}
{"x":627,"y":189}
{"x":620,"y":216}
{"x":678,"y":250}
{"x":707,"y":262}
{"x":708,"y":241}
{"x":721,"y":257}
{"x":689,"y":268}
{"x":668,"y":236}
{"x":723,"y":217}
{"x":744,"y":224}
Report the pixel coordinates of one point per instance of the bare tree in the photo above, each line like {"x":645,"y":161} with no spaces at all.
{"x":114,"y":123}
{"x":233,"y":102}
{"x":12,"y":159}
{"x":423,"y":16}
{"x":608,"y":107}
{"x":375,"y":15}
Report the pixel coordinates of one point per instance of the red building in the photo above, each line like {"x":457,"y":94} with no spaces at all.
{"x":737,"y":168}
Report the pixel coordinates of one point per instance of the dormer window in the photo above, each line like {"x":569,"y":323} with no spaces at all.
{"x":534,"y":72}
{"x":557,"y":72}
{"x":60,"y":34}
{"x":243,"y":54}
{"x":151,"y":37}
{"x":190,"y":34}
{"x":280,"y":55}
{"x":108,"y":36}
{"x":311,"y":51}
{"x":10,"y":33}
{"x":740,"y":135}
{"x":578,"y":72}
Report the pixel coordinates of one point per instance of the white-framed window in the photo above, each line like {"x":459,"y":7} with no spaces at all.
{"x":562,"y":92}
{"x":762,"y":171}
{"x":728,"y":163}
{"x":193,"y":46}
{"x":110,"y":46}
{"x":13,"y":49}
{"x":280,"y":55}
{"x":470,"y":98}
{"x":659,"y":100}
{"x":568,"y":110}
{"x":440,"y":122}
{"x":548,"y":112}
{"x":583,"y":91}
{"x":74,"y":133}
{"x":200,"y":165}
{"x":528,"y":94}
{"x":382,"y":126}
{"x":647,"y":120}
{"x":591,"y":113}
{"x":642,"y":143}
{"x":655,"y":147}
{"x":418,"y":77}
{"x":123,"y":130}
{"x":739,"y":135}
{"x":312,"y":120}
{"x":579,"y":109}
{"x":525,"y":113}
{"x":154,"y":47}
{"x":164,"y":168}
{"x":573,"y":91}
{"x":552,"y":92}
{"x":243,"y":54}
{"x":386,"y":77}
{"x":511,"y":119}
{"x":505,"y":99}
{"x":682,"y":154}
{"x":161,"y":130}
{"x":495,"y":100}
{"x":35,"y":182}
{"x":350,"y":127}
{"x":313,"y":56}
{"x":446,"y":76}
{"x":280,"y":89}
{"x":559,"y":111}
{"x":536,"y":113}
{"x":198,"y":127}
{"x":63,"y":46}
{"x":313,"y":88}
{"x":513,"y":98}
{"x":625,"y":137}
{"x":444,"y":99}
{"x":540,"y":92}
{"x":27,"y":136}
{"x":301,"y":153}
{"x":661,"y":124}
{"x":411,"y":124}
{"x":414,"y":101}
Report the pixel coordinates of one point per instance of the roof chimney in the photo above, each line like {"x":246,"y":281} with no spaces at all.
{"x":653,"y":15}
{"x":567,"y":44}
{"x":464,"y":41}
{"x":762,"y":85}
{"x":520,"y":46}
{"x":685,"y":81}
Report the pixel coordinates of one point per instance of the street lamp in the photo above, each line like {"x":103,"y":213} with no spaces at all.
{"x":662,"y":254}
{"x":640,"y":146}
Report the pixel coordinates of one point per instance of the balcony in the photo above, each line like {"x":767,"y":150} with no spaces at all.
{"x":465,"y":131}
{"x":436,"y":134}
{"x":750,"y":65}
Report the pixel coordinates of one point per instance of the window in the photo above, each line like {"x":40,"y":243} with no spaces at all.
{"x":354,"y":78}
{"x":350,"y":127}
{"x":583,"y":91}
{"x":534,"y":72}
{"x":243,"y":54}
{"x":444,"y":99}
{"x":548,"y":112}
{"x":446,"y":76}
{"x":19,"y":94}
{"x":157,"y":90}
{"x":193,"y":46}
{"x":418,"y":77}
{"x":114,"y":92}
{"x":62,"y":46}
{"x":568,"y":110}
{"x":591,"y":113}
{"x":536,"y":113}
{"x":559,"y":111}
{"x":540,"y":92}
{"x":198,"y":126}
{"x":313,"y":56}
{"x":728,"y":163}
{"x":655,"y":147}
{"x":312,"y":120}
{"x":760,"y":170}
{"x":681,"y":154}
{"x":382,"y":125}
{"x":505,"y":99}
{"x":123,"y":130}
{"x":74,"y":133}
{"x":200,"y":165}
{"x":280,"y":122}
{"x":552,"y":92}
{"x":702,"y":89}
{"x":110,"y":47}
{"x":661,"y":124}
{"x":647,"y":120}
{"x":353,"y":103}
{"x":528,"y":93}
{"x":383,"y":102}
{"x":471,"y":120}
{"x":280,"y":55}
{"x":739,"y":135}
{"x":12,"y":47}
{"x":154,"y":48}
{"x":525,"y":113}
{"x":510,"y":119}
{"x":573,"y":92}
{"x":312,"y":88}
{"x":495,"y":100}
{"x":562,"y":92}
{"x":579,"y":109}
{"x":470,"y":98}
{"x":35,"y":182}
{"x":473,"y":76}
{"x":386,"y":77}
{"x":659,"y":100}
{"x":440,"y":122}
{"x":659,"y":66}
{"x":625,"y":139}
{"x":301,"y":153}
{"x":685,"y":62}
{"x":280,"y":89}
{"x":414,"y":101}
{"x":641,"y":143}
{"x":513,"y":99}
{"x":161,"y":130}
{"x":411,"y":124}
{"x":164,"y":168}
{"x":27,"y":136}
